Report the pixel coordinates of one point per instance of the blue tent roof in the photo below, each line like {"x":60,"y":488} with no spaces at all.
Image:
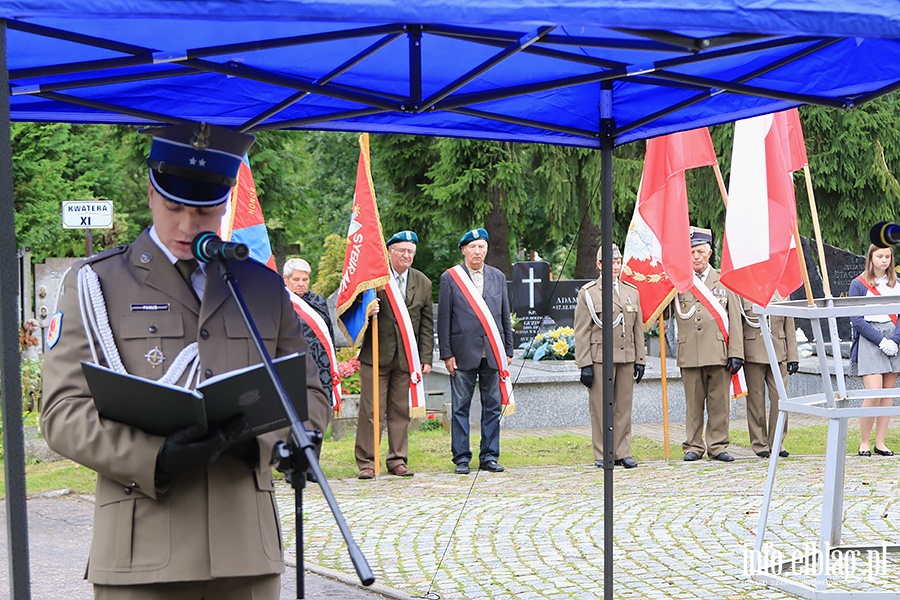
{"x":524,"y":70}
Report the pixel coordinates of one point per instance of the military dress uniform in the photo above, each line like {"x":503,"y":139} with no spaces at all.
{"x":758,"y":371}
{"x":220,"y":521}
{"x":183,"y":515}
{"x":702,"y":355}
{"x":628,"y":341}
{"x":393,"y":373}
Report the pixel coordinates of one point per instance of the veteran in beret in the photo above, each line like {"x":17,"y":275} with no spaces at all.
{"x":628,"y":357}
{"x":710,"y":350}
{"x":405,"y":354}
{"x":472,"y":295}
{"x":191,"y":514}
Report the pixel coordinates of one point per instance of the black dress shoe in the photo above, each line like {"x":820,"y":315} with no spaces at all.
{"x":598,"y":464}
{"x":724,"y":457}
{"x":883,"y":452}
{"x":462,"y":469}
{"x":691,"y":456}
{"x":627,"y":462}
{"x":763,"y":454}
{"x":865,"y":452}
{"x":492,"y":465}
{"x":784,"y":454}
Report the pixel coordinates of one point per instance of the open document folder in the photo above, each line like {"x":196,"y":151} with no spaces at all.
{"x":162,"y":409}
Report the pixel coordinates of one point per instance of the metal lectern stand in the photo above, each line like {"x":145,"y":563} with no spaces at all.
{"x":834,"y":406}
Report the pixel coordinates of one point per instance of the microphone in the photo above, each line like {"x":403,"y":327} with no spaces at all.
{"x":885,"y":234}
{"x":207,"y":246}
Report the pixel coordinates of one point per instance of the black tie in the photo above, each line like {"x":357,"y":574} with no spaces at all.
{"x":185,"y":268}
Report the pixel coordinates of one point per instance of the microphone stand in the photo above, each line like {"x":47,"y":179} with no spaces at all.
{"x":295,"y":456}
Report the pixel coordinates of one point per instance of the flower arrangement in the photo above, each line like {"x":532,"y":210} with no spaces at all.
{"x":28,"y":332}
{"x":348,"y":369}
{"x":431,"y":423}
{"x":558,"y":344}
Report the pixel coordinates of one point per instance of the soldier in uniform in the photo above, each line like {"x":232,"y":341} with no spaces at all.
{"x":191,"y":515}
{"x":628,"y":357}
{"x":759,"y":373}
{"x":394,"y":368}
{"x":708,"y":355}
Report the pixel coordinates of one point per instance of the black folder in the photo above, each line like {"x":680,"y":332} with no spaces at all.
{"x":162,"y":409}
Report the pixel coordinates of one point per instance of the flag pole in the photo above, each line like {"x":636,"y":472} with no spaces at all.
{"x":665,"y":388}
{"x":800,"y":256}
{"x":721,"y":182}
{"x":376,"y":412}
{"x":826,"y":285}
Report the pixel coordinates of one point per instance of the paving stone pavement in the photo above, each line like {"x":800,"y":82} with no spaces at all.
{"x":682,"y":530}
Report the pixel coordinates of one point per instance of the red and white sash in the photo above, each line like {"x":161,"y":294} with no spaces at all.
{"x":875,"y":292}
{"x":314,"y":321}
{"x":483,"y":313}
{"x":408,"y":338}
{"x":718,"y":312}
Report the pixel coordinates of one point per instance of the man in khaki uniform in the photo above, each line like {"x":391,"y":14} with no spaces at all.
{"x":628,"y":357}
{"x":393,"y":366}
{"x":191,"y":515}
{"x":706,"y":360}
{"x":759,"y":374}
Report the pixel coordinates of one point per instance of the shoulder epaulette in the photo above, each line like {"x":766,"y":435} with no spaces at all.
{"x":628,"y":283}
{"x":103,"y":255}
{"x":589,"y":284}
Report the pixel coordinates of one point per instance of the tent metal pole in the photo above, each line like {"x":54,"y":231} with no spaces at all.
{"x":607,"y":141}
{"x":10,"y":378}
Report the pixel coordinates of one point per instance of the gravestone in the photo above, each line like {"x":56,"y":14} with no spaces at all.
{"x":843,"y":267}
{"x":527,"y":298}
{"x":540,"y":303}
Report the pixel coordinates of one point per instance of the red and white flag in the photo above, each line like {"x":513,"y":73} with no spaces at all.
{"x":758,"y":251}
{"x":657,"y":256}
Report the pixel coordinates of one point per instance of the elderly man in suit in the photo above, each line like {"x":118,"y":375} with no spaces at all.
{"x":393,"y":363}
{"x":760,"y":377}
{"x":628,"y":357}
{"x":469,"y":351}
{"x":191,"y":515}
{"x":709,"y":352}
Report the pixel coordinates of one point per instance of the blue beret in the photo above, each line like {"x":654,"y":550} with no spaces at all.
{"x":475,"y":234}
{"x":403,"y":236}
{"x":197,"y":163}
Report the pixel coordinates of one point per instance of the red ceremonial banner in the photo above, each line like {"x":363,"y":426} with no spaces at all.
{"x":365,"y":260}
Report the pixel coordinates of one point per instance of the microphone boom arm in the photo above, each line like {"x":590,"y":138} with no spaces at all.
{"x":301,"y":440}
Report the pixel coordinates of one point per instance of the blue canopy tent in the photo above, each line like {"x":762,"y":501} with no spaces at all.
{"x":589,"y":73}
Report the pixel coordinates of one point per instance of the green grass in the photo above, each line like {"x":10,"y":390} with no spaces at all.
{"x":430,"y":452}
{"x":63,"y":474}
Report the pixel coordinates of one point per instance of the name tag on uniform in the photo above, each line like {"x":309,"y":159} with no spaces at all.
{"x":156,"y":307}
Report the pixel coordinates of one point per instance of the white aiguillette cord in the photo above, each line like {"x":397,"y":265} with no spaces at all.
{"x":96,"y":327}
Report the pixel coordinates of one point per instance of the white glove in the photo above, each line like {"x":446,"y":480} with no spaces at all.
{"x":889,"y":347}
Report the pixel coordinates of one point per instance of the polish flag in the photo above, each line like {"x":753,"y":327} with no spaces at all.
{"x":657,"y":255}
{"x":759,"y":255}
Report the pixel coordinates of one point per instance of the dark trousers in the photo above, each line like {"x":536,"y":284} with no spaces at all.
{"x":462,"y":386}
